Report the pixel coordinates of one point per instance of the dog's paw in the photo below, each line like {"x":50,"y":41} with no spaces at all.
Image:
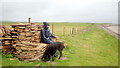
{"x":59,"y":58}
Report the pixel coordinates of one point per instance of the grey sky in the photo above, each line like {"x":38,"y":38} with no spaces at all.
{"x":96,"y":11}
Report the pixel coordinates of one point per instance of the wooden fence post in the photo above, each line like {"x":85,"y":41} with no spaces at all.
{"x":29,"y":20}
{"x":76,"y":30}
{"x":64,"y":31}
{"x":72,"y":30}
{"x":52,"y":28}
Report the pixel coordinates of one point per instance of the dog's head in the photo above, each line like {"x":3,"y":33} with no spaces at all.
{"x":46,"y":57}
{"x":63,"y":43}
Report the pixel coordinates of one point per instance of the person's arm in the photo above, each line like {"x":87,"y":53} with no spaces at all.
{"x":43,"y":34}
{"x":52,"y":34}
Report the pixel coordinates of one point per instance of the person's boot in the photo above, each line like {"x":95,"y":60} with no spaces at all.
{"x":55,"y":55}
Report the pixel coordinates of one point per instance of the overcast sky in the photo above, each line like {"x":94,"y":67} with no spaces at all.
{"x":95,"y":11}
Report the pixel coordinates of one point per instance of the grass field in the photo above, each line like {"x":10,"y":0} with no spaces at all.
{"x":95,"y":47}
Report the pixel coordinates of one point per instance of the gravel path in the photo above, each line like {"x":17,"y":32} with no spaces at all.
{"x":112,"y":29}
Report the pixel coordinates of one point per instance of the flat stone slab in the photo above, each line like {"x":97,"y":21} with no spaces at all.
{"x":63,"y":58}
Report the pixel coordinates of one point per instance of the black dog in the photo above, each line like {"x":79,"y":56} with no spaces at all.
{"x":51,"y":50}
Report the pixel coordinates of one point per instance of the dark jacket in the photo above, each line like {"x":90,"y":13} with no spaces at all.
{"x":45,"y":33}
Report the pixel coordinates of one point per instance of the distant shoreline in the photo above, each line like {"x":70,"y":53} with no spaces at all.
{"x":55,"y":22}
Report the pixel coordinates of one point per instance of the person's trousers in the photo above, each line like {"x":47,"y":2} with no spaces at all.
{"x":48,"y":41}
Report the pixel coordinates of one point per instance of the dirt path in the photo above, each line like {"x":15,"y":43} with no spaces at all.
{"x":112,"y":29}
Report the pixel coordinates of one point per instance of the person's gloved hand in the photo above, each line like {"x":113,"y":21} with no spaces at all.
{"x":57,"y":38}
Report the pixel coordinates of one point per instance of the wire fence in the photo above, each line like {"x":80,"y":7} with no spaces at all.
{"x":66,"y":30}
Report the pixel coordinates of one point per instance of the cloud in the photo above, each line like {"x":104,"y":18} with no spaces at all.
{"x":97,"y":11}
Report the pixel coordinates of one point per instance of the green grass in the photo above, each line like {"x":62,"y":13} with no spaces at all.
{"x":92,"y":48}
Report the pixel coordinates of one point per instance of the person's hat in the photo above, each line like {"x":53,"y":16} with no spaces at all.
{"x":45,"y":24}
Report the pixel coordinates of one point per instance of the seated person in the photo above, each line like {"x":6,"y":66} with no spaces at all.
{"x":46,"y":36}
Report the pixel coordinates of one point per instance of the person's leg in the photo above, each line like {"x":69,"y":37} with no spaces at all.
{"x":45,"y":41}
{"x":52,"y":40}
{"x":49,"y":41}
